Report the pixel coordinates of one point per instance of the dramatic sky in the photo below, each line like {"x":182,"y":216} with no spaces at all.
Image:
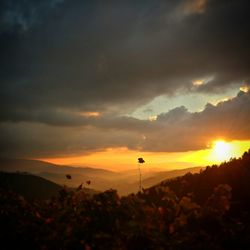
{"x":102,"y":82}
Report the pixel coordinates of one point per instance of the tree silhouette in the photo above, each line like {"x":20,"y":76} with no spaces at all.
{"x":207,"y":210}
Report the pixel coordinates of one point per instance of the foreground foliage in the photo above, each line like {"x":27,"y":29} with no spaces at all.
{"x":157,"y":218}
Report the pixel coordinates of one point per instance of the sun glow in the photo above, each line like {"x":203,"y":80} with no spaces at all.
{"x":218,"y":151}
{"x":221,"y":150}
{"x":124,"y":159}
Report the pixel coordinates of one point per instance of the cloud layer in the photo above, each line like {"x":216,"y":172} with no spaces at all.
{"x":62,"y":58}
{"x":176,"y":130}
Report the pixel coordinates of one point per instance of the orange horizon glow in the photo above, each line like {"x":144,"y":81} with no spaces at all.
{"x":125,"y":159}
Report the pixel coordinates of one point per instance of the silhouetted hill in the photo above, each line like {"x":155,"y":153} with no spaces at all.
{"x":28,"y":185}
{"x":204,"y":211}
{"x":125,"y":182}
{"x":166,"y":175}
{"x":101,"y":179}
{"x":235,"y":173}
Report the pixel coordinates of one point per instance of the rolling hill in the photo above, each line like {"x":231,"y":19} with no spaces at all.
{"x":202,"y":211}
{"x":166,"y":175}
{"x":29,"y":186}
{"x":125,"y":181}
{"x":235,"y":173}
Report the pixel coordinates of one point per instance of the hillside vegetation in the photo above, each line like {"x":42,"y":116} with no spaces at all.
{"x":209,"y":210}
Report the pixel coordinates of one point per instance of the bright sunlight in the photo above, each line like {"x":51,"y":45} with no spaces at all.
{"x":221,"y":150}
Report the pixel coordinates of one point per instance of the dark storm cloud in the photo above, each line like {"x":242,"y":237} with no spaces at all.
{"x":176,"y":130}
{"x":61,"y":58}
{"x":95,"y":55}
{"x":39,"y":140}
{"x":18,"y":16}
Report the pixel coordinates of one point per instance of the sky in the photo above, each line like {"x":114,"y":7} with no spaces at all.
{"x":100,"y":83}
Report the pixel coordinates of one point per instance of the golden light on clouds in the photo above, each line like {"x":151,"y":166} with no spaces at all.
{"x":90,"y":114}
{"x":215,"y":102}
{"x":152,"y":118}
{"x":194,"y":6}
{"x":198,"y":82}
{"x":202,"y":81}
{"x":245,"y":88}
{"x":198,"y":6}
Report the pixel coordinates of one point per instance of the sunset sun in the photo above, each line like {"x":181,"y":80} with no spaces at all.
{"x":222,"y":150}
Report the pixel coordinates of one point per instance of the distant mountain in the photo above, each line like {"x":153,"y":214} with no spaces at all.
{"x":28,"y":185}
{"x":125,"y":182}
{"x":101,"y":179}
{"x":165,"y":175}
{"x":35,"y":166}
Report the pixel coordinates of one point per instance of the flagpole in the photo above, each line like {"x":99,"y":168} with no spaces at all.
{"x":140,"y":186}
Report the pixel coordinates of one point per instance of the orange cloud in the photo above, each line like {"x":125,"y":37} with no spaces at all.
{"x":90,"y":114}
{"x":194,"y":7}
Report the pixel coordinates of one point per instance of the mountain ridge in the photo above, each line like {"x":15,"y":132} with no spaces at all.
{"x":28,"y":185}
{"x":100,"y":179}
